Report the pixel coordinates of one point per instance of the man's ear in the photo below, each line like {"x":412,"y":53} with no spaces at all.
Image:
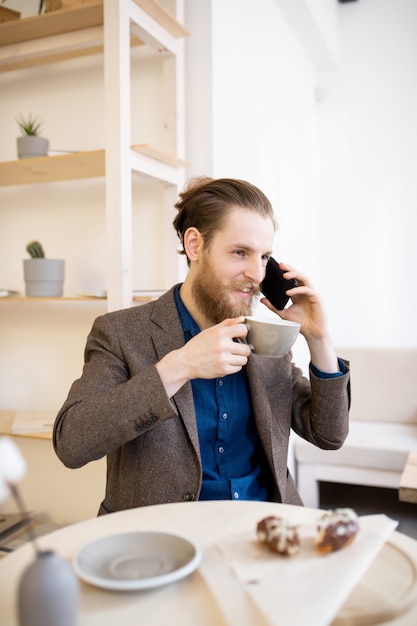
{"x":193,"y":242}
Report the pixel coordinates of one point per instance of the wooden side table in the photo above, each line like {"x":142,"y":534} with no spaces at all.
{"x":408,"y":483}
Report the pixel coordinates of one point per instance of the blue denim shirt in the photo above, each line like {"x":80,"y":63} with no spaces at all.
{"x":234,"y":465}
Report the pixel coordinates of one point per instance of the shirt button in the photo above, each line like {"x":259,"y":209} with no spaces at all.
{"x":236,"y":495}
{"x":225,"y":416}
{"x":221,"y":449}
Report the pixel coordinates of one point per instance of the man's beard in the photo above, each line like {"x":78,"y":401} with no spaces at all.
{"x":213,"y":299}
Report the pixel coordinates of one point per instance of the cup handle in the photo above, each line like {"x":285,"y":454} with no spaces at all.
{"x":240,"y":340}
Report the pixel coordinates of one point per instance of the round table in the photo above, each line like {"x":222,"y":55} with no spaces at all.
{"x":189,"y":601}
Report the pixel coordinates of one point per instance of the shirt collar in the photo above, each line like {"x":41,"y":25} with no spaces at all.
{"x":187,"y":321}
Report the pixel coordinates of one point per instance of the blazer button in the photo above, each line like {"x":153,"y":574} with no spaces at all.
{"x":189,"y":497}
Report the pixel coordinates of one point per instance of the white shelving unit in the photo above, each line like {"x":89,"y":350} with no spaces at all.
{"x":120,"y":19}
{"x":113,"y":27}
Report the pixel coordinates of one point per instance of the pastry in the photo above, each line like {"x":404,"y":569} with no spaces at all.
{"x":336,"y":529}
{"x":279,"y":535}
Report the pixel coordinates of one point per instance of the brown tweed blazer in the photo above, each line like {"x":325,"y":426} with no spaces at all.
{"x":119,"y":408}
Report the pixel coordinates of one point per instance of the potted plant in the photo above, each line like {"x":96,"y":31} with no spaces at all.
{"x":30,"y":144}
{"x":43,"y":277}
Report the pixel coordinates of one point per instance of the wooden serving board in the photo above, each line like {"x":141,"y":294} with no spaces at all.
{"x":386,"y":591}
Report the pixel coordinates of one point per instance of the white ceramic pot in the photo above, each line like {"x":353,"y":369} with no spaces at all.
{"x":30,"y":146}
{"x":44,"y":277}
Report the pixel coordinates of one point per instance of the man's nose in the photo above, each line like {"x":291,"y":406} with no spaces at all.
{"x":256,"y":270}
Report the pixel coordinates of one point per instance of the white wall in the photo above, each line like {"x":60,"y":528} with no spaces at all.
{"x":261,"y":86}
{"x":329,"y":132}
{"x":368,"y":191}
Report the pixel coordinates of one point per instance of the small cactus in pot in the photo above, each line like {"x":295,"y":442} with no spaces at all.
{"x":43,"y":277}
{"x":35,"y":250}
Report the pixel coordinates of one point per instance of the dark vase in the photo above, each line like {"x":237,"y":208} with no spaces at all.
{"x":48,"y":593}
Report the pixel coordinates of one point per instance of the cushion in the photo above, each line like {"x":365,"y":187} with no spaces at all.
{"x":384,"y":383}
{"x":371,"y":445}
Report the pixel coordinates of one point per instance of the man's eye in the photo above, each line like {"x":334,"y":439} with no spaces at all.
{"x":240,"y":252}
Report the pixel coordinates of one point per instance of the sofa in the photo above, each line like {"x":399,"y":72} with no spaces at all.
{"x":382,"y":425}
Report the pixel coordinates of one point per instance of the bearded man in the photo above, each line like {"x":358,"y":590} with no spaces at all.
{"x":171,"y":393}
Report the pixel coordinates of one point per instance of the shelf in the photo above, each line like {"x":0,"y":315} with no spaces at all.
{"x":112,"y":27}
{"x":53,"y":23}
{"x":6,"y":422}
{"x":136,"y":297}
{"x":163,"y":17}
{"x":50,"y":299}
{"x":73,"y":166}
{"x":67,"y":34}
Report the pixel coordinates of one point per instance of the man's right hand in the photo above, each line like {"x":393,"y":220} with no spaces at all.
{"x":210,"y":354}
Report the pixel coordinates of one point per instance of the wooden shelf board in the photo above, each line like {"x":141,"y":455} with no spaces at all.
{"x":47,"y":50}
{"x":8,"y":14}
{"x":163,"y":17}
{"x":65,"y":34}
{"x":73,"y":166}
{"x":86,"y":16}
{"x":144,"y":299}
{"x":47,"y":169}
{"x":53,"y":23}
{"x":137,"y":298}
{"x":408,"y":482}
{"x":6,"y":421}
{"x":47,"y":59}
{"x":160,"y":155}
{"x":50,"y":299}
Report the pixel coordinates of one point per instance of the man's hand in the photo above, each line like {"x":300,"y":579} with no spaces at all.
{"x":214,"y":352}
{"x":307,"y":309}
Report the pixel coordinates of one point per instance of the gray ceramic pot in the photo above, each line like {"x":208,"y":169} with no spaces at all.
{"x":30,"y":146}
{"x":48,"y":593}
{"x":44,"y":277}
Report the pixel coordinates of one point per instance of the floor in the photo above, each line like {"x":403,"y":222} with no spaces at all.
{"x":366,"y":500}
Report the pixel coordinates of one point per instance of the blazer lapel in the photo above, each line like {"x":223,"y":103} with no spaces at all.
{"x":260,"y":405}
{"x":168,"y":335}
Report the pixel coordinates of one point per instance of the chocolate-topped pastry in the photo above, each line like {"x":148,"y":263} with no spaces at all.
{"x":279,"y":535}
{"x":336,"y":530}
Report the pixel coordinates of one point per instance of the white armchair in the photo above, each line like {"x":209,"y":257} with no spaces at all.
{"x":382,"y":429}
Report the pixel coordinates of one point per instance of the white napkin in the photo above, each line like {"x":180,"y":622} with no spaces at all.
{"x":255,"y":587}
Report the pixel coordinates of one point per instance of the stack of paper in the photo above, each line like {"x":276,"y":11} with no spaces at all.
{"x":33,"y":422}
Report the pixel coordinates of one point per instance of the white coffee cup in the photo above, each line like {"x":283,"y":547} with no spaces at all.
{"x":271,"y":336}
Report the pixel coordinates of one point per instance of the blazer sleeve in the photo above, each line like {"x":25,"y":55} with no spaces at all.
{"x":118,"y":397}
{"x":321,"y":413}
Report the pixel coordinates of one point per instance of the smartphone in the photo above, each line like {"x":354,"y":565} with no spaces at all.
{"x":274,"y":285}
